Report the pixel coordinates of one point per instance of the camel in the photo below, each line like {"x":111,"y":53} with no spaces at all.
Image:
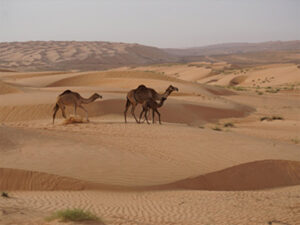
{"x":72,"y":98}
{"x":142,"y":94}
{"x":151,"y":104}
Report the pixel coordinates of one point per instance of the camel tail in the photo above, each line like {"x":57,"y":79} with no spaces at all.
{"x":55,"y":109}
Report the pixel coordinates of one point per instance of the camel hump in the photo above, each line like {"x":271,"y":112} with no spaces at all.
{"x":142,"y":87}
{"x":66,"y":92}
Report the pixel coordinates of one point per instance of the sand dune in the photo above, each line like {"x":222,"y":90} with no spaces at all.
{"x":211,"y":139}
{"x":6,"y":88}
{"x":225,"y":74}
{"x":249,"y":176}
{"x":131,"y":147}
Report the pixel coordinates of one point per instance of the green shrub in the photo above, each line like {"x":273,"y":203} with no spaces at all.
{"x":73,"y":215}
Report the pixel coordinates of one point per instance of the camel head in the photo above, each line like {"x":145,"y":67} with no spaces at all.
{"x":96,"y":95}
{"x":171,"y":89}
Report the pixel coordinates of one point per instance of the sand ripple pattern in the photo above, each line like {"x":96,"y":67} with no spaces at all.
{"x":171,"y":207}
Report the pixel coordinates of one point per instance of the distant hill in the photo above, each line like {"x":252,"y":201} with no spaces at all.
{"x":70,"y":55}
{"x":236,"y":48}
{"x":242,"y":53}
{"x":80,"y":55}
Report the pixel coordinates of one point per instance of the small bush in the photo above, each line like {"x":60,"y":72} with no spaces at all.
{"x":266,"y":118}
{"x":237,"y":88}
{"x":228,"y":124}
{"x":295,"y":140}
{"x":273,"y":90}
{"x":277,"y":118}
{"x":217,"y":128}
{"x":73,"y":215}
{"x":4,"y":195}
{"x":271,"y":118}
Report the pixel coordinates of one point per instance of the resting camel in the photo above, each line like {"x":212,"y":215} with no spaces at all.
{"x":142,"y":94}
{"x":72,"y":98}
{"x":151,"y":104}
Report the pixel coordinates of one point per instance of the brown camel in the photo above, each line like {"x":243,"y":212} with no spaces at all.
{"x":72,"y":98}
{"x":142,"y":94}
{"x":151,"y":104}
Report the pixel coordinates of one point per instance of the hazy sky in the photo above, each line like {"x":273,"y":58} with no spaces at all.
{"x":161,"y":23}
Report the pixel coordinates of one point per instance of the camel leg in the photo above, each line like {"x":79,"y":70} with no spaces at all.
{"x":75,"y":109}
{"x":153,"y":115}
{"x":62,"y":108}
{"x":158,"y":116}
{"x":132,"y":112}
{"x":141,"y":114}
{"x":126,"y":109}
{"x":86,"y":112}
{"x":55,"y":109}
{"x":146,"y":116}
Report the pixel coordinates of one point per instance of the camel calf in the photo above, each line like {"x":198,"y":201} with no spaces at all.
{"x":151,"y":104}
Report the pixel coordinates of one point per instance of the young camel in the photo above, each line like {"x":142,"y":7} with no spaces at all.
{"x":142,"y":94}
{"x":72,"y":98}
{"x":151,"y":104}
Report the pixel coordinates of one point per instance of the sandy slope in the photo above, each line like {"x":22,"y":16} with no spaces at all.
{"x":165,"y":207}
{"x":172,"y":163}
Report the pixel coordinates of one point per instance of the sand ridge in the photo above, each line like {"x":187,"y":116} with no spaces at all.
{"x":249,"y":176}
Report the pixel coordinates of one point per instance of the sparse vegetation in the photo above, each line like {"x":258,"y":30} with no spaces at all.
{"x":237,"y":88}
{"x":229,"y":124}
{"x":216,"y":128}
{"x":73,"y":215}
{"x":259,"y":92}
{"x":295,"y":140}
{"x":267,"y":118}
{"x":270,"y":90}
{"x":4,"y":194}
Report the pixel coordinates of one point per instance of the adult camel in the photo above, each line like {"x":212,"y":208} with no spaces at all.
{"x":142,"y":94}
{"x":72,"y":98}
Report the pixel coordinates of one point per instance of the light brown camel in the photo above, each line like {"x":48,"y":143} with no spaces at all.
{"x":142,"y":94}
{"x":72,"y":98}
{"x":151,"y":104}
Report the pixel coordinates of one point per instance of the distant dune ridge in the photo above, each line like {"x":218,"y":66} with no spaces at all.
{"x":70,"y":55}
{"x":233,"y":48}
{"x":98,"y":55}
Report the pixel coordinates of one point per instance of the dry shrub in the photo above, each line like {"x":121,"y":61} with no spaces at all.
{"x":72,"y":120}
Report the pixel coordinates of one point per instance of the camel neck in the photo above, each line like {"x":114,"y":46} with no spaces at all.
{"x":161,"y":103}
{"x":88,"y":100}
{"x":166,"y":94}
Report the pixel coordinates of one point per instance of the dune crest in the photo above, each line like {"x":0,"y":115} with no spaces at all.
{"x":256,"y":175}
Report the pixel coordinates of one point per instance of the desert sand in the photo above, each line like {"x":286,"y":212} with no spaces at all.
{"x":212,"y":161}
